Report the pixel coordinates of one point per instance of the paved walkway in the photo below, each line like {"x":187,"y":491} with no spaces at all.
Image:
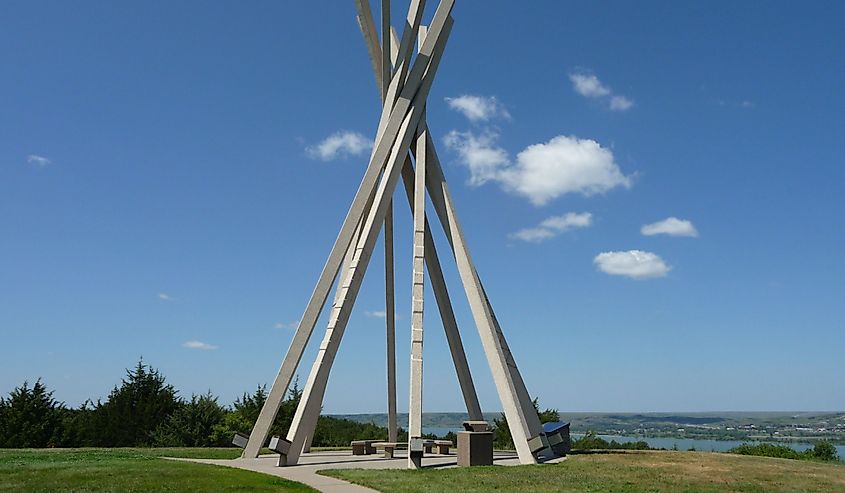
{"x":306,"y":471}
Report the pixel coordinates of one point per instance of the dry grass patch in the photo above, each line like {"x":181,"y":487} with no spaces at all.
{"x":632,"y":471}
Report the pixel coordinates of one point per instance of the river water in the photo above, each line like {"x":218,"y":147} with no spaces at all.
{"x":670,"y":443}
{"x":707,"y":445}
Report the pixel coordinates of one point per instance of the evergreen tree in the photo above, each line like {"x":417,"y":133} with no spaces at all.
{"x":502,"y":438}
{"x":192,"y":424}
{"x":245,"y":412}
{"x":134,"y":410}
{"x":241,"y":418}
{"x":30,"y":418}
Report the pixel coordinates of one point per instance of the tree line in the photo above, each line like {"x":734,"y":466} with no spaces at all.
{"x":146,"y":411}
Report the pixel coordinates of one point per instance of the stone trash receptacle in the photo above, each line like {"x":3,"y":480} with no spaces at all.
{"x":475,"y":448}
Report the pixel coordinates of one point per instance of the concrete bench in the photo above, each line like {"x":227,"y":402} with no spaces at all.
{"x":557,"y":434}
{"x":280,"y":446}
{"x":443,"y":446}
{"x":240,"y":440}
{"x":363,"y":447}
{"x":389,"y":448}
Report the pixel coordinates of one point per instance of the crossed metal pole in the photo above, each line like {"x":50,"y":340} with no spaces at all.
{"x":404,"y":82}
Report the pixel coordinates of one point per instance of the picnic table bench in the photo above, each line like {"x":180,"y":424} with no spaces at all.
{"x":443,"y":446}
{"x":390,"y":447}
{"x":363,"y":447}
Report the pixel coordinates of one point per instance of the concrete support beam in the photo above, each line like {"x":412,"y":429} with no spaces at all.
{"x":417,"y":303}
{"x":390,"y":317}
{"x":389,"y":302}
{"x":404,"y":89}
{"x":524,"y":429}
{"x":409,"y":109}
{"x":432,"y":261}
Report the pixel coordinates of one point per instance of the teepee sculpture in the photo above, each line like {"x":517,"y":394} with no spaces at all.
{"x":403,"y":148}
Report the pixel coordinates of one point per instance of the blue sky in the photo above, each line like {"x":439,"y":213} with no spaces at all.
{"x":167,"y":191}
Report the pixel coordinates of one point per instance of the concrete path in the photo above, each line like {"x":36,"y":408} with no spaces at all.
{"x":306,"y":471}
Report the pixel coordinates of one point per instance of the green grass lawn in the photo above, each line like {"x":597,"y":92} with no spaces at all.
{"x":140,"y":470}
{"x":618,"y":472}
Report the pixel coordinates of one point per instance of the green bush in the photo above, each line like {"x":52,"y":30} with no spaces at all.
{"x":822,"y":451}
{"x":502,"y":438}
{"x":591,"y":441}
{"x":30,"y":418}
{"x":766,"y":450}
{"x":192,"y":424}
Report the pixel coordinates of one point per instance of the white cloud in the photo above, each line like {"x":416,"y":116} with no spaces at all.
{"x":620,"y":103}
{"x":542,"y":172}
{"x":380,"y":314}
{"x":554,"y":226}
{"x":287,"y":326}
{"x":340,"y":145}
{"x":589,"y":86}
{"x":671,"y":226}
{"x":635,"y":264}
{"x":37,"y":160}
{"x":199,"y":345}
{"x":563,"y":165}
{"x":746,"y":104}
{"x":165,"y":297}
{"x":480,"y":153}
{"x":478,"y":108}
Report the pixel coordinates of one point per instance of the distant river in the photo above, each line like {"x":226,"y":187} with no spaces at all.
{"x":669,"y":443}
{"x":706,"y":445}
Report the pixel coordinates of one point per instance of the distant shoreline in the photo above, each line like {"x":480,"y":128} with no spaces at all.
{"x":758,"y":426}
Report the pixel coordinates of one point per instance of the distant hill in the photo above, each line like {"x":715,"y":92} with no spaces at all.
{"x":430,"y":420}
{"x":794,"y":426}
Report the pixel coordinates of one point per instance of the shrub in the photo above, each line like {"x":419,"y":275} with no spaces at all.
{"x":192,"y":424}
{"x":30,"y":418}
{"x":133,"y":411}
{"x":766,"y":450}
{"x":591,"y":441}
{"x":824,"y":451}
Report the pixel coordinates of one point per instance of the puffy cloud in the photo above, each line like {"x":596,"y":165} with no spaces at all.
{"x":340,"y":145}
{"x":380,"y":314}
{"x":589,"y":86}
{"x":635,"y":264}
{"x":565,"y":164}
{"x":620,"y":103}
{"x":480,"y":153}
{"x":37,"y":160}
{"x":554,"y":226}
{"x":199,"y":345}
{"x":671,"y":226}
{"x":165,"y":297}
{"x":542,"y":172}
{"x":478,"y":108}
